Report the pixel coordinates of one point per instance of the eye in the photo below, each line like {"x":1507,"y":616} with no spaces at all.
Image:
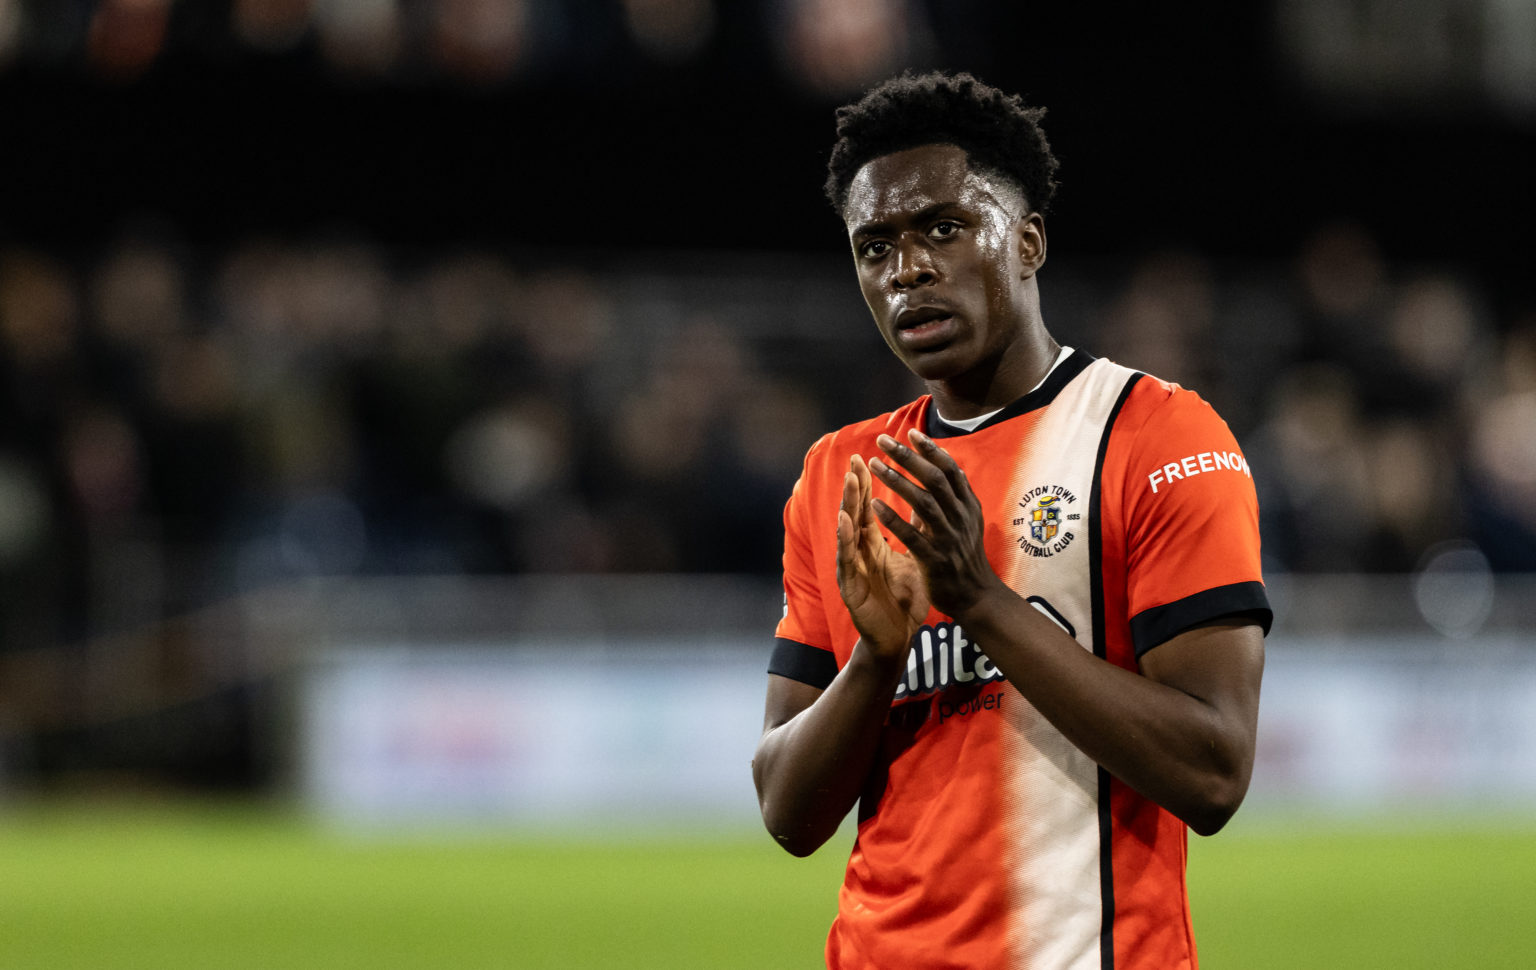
{"x":874,"y":249}
{"x":943,"y":230}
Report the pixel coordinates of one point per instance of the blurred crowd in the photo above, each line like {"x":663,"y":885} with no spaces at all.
{"x":827,"y":46}
{"x":181,"y":426}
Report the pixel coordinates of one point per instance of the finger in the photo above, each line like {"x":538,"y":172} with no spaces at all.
{"x":850,"y":502}
{"x":869,"y":529}
{"x":846,"y":540}
{"x":922,"y":501}
{"x":941,"y":460}
{"x":916,"y":541}
{"x":955,"y":494}
{"x":849,"y":508}
{"x":861,"y":473}
{"x":919,"y":466}
{"x":856,"y":536}
{"x":848,"y":512}
{"x":845,"y":532}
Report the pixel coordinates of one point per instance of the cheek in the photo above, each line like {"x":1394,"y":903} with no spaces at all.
{"x":876,"y":298}
{"x":992,"y":280}
{"x":869,"y":286}
{"x":997,"y":292}
{"x":996,"y":264}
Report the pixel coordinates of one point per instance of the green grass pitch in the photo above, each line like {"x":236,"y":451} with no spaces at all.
{"x":241,"y":887}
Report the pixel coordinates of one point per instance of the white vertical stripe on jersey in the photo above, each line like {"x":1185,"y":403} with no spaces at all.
{"x":1054,"y":820}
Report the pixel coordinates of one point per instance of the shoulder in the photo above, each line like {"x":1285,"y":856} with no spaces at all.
{"x":1187,"y":514}
{"x":1155,"y":409}
{"x":1172,"y":458}
{"x":1164,"y":434}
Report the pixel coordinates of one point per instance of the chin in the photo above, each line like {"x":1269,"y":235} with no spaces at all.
{"x":942,"y":364}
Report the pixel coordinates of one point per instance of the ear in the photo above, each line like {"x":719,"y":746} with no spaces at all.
{"x":1029,"y":233}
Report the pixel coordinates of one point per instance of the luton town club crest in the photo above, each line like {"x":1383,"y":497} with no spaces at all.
{"x":1049,"y":521}
{"x":1045,"y":519}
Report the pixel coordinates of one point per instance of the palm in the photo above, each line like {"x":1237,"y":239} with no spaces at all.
{"x":885,"y":590}
{"x":888,"y":594}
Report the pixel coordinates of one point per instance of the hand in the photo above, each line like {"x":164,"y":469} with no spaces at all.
{"x":883,"y":589}
{"x":946,"y":533}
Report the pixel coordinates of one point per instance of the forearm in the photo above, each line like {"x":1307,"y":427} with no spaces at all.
{"x":810,"y":769}
{"x":1177,"y":748}
{"x":1181,"y":731}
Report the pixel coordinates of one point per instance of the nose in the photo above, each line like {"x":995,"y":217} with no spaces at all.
{"x":914,"y":267}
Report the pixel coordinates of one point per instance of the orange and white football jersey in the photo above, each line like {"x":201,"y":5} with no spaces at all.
{"x":1121,"y":506}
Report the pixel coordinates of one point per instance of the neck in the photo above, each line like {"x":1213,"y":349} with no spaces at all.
{"x":998,"y":381}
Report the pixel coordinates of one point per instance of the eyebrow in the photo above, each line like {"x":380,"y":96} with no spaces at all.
{"x":921,"y":215}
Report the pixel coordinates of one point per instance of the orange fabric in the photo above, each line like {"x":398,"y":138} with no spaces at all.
{"x":1186,"y":534}
{"x":932,"y":880}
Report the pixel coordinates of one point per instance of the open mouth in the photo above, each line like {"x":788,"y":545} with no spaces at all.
{"x":924,"y":328}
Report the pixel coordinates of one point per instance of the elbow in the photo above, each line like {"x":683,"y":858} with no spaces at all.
{"x":792,"y":827}
{"x":797,"y":847}
{"x":1218,"y":801}
{"x":1209,"y":822}
{"x":798,"y":838}
{"x":1219,"y":786}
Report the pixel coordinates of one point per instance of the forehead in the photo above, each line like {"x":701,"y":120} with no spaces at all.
{"x":910,"y":181}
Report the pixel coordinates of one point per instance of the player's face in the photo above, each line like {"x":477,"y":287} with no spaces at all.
{"x":942,"y":257}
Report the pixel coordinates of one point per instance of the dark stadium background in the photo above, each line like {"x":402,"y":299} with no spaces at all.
{"x":1176,"y":123}
{"x":681,"y":184}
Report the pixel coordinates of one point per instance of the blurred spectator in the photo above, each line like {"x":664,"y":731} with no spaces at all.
{"x":838,"y":47}
{"x":10,"y":29}
{"x":1415,"y":502}
{"x":670,"y":30}
{"x":1164,"y":319}
{"x":127,"y":35}
{"x":1502,"y":472}
{"x":1344,"y":292}
{"x":104,"y":464}
{"x":24,"y":512}
{"x":1437,"y":336}
{"x":138,"y":296}
{"x":39,"y":310}
{"x":481,"y":40}
{"x":272,"y":26}
{"x":515,"y":459}
{"x":1313,"y":474}
{"x":360,"y":37}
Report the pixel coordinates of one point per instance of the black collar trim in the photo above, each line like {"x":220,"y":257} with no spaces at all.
{"x":1075,"y":364}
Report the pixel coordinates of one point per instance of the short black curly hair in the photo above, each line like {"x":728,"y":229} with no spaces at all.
{"x":998,"y":132}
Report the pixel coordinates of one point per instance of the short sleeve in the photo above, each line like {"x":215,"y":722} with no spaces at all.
{"x":1192,"y":523}
{"x":804,"y":639}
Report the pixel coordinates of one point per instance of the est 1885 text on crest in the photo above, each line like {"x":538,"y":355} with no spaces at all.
{"x":1049,"y":520}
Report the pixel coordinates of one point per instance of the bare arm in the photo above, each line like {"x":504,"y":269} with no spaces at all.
{"x":1183,"y":735}
{"x":817,"y":746}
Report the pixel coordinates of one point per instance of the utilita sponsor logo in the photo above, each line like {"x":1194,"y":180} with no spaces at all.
{"x":942,"y":655}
